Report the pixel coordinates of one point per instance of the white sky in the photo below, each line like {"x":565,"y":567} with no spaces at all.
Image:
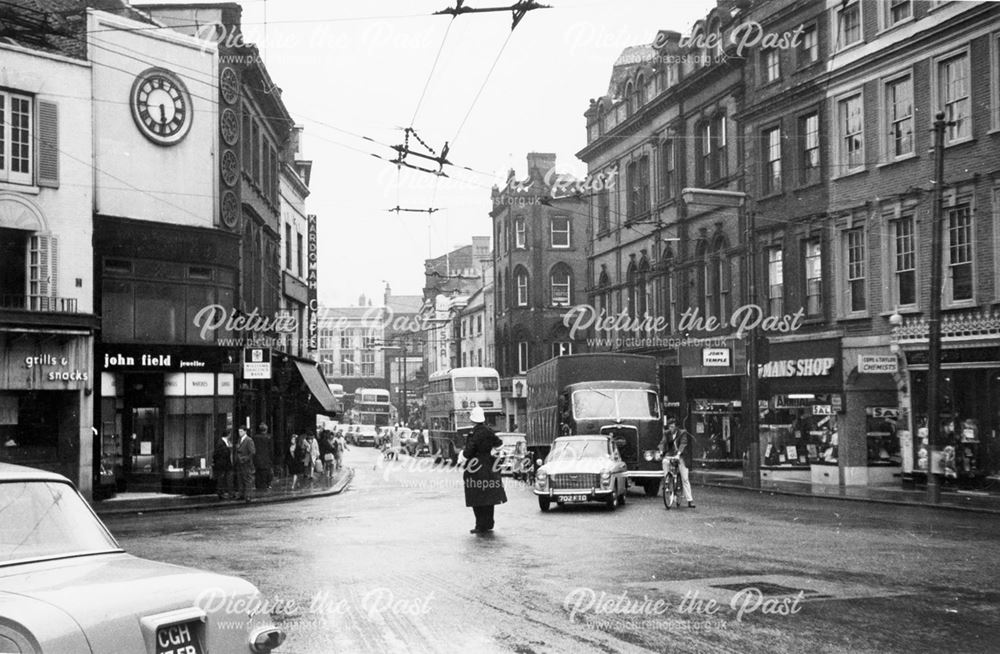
{"x":366,"y":76}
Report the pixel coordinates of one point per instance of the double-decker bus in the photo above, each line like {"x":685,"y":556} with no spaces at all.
{"x":451,"y":396}
{"x":371,"y":407}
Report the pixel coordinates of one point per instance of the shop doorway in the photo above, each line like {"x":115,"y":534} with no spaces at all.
{"x":143,"y":428}
{"x":146,"y":455}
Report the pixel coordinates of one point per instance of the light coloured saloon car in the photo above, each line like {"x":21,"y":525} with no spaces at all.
{"x":67,"y":587}
{"x":581,"y":469}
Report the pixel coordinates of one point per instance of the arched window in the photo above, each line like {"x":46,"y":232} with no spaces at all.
{"x":521,"y":279}
{"x":629,"y":99}
{"x":521,"y":351}
{"x":560,"y":285}
{"x":640,"y":91}
{"x":510,"y":290}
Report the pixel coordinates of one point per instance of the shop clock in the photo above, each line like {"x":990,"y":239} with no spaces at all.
{"x":161,"y":106}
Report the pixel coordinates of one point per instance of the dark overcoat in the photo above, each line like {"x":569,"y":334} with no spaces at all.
{"x":483,"y":482}
{"x":222,"y":456}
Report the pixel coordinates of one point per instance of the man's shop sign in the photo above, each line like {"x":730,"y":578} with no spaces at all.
{"x":818,"y":367}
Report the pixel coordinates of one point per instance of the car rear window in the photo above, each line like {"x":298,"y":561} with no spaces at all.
{"x":47,"y":519}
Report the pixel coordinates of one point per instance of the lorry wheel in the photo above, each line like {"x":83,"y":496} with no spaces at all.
{"x":652,"y":487}
{"x":621,"y":498}
{"x":543,"y":504}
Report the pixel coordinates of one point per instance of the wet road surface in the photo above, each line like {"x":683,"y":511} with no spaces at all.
{"x":389,"y":566}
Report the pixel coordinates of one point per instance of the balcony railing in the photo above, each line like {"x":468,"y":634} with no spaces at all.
{"x":970,"y":325}
{"x":38,"y":303}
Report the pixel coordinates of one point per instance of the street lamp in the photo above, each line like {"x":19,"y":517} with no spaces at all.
{"x":738,"y":200}
{"x":406,"y":408}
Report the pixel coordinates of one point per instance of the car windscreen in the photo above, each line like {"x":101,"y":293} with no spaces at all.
{"x":47,"y":519}
{"x":581,"y":449}
{"x":623,"y":403}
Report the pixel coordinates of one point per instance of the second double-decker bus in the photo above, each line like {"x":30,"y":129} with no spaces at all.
{"x":451,"y":396}
{"x":371,"y":407}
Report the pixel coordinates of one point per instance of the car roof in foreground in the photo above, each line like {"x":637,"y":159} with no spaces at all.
{"x":11,"y":472}
{"x":584,"y":437}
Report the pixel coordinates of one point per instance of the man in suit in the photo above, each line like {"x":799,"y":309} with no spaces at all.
{"x":677,"y":442}
{"x":245,"y":451}
{"x":222,"y":465}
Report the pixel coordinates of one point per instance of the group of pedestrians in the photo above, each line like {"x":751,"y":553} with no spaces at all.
{"x":234,"y":466}
{"x":312,"y":457}
{"x":246,"y":464}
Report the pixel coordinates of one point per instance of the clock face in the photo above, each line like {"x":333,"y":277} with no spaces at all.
{"x":161,"y":106}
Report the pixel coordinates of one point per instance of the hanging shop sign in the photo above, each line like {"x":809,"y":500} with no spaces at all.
{"x":256,"y":363}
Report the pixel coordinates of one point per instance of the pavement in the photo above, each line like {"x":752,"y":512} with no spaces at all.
{"x":280,"y":491}
{"x":986,"y":501}
{"x":953,"y":499}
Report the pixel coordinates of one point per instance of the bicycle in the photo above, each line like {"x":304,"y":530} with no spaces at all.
{"x":672,"y":483}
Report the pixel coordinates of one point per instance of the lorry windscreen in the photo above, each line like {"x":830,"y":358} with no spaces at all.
{"x":627,"y":403}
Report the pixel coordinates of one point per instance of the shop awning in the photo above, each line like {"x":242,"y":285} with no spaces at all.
{"x":314,"y":380}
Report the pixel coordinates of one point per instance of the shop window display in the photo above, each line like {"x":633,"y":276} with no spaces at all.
{"x":882,"y":439}
{"x":714,"y":424}
{"x":798,"y":431}
{"x":969,"y":413}
{"x":29,"y":427}
{"x":189,"y":437}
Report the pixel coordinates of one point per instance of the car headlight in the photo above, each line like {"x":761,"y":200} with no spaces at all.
{"x":648,"y":455}
{"x":265,"y":639}
{"x":658,"y":455}
{"x":541,"y":480}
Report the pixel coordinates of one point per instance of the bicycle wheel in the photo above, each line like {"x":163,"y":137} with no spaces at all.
{"x":668,"y":491}
{"x":674,"y":498}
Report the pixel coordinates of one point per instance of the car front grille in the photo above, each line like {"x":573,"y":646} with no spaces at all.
{"x":576,"y":482}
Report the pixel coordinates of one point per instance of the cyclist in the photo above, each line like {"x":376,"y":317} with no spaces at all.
{"x":676,"y":442}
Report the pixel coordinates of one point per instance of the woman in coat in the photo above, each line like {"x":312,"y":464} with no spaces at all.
{"x":483,"y":483}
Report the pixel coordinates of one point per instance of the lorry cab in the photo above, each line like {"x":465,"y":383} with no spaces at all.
{"x":602,"y":393}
